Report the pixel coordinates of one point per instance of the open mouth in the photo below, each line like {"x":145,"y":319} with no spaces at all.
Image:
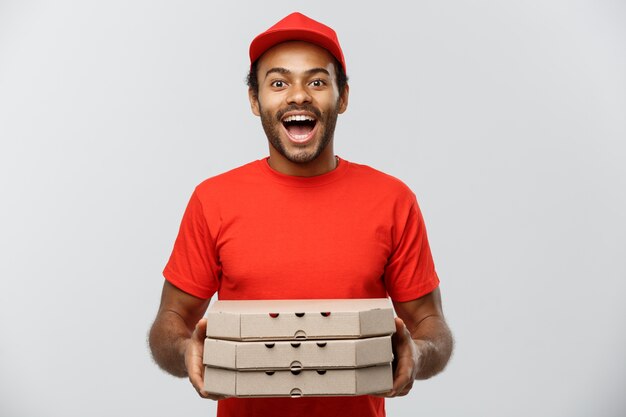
{"x":300,"y":127}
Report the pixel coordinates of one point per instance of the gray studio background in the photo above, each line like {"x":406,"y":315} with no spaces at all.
{"x":508,"y":120}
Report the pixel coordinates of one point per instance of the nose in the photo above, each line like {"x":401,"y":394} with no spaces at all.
{"x":298,"y":94}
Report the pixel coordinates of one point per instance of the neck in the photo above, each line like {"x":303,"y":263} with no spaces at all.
{"x":324,"y":163}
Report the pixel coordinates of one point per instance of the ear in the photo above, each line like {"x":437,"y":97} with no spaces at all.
{"x":343,"y":99}
{"x":254,"y":102}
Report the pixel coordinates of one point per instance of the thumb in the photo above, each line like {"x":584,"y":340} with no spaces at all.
{"x":199,"y":333}
{"x":399,"y":325}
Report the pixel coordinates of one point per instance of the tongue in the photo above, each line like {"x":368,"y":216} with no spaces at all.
{"x":296,"y":129}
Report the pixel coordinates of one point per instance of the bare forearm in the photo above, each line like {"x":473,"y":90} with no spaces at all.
{"x":168,"y":337}
{"x":434,"y":343}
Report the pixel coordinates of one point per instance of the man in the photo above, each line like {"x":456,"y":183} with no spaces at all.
{"x":302,"y":223}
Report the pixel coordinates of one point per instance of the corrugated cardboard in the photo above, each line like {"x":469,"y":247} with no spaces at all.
{"x":294,"y":355}
{"x":300,"y":319}
{"x":359,"y":381}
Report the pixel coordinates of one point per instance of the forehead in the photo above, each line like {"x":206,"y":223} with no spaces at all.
{"x":296,"y":56}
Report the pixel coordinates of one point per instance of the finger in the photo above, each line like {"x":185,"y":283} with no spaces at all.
{"x":405,"y":390}
{"x":198,"y":384}
{"x":199,"y":333}
{"x":403,"y":375}
{"x":195,"y":368}
{"x":401,"y":336}
{"x":399,"y":324}
{"x":215,"y":397}
{"x":400,"y":392}
{"x":196,"y":377}
{"x":402,"y":383}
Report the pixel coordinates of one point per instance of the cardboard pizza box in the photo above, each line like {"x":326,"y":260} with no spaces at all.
{"x":305,"y":383}
{"x":295,"y":355}
{"x":300,"y":319}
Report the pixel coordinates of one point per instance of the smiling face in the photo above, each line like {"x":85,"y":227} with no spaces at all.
{"x":298,"y":102}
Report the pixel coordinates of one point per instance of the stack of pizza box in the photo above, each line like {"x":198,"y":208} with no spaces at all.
{"x":294,"y":348}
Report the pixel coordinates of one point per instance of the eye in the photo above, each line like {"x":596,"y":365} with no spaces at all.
{"x":277,"y":84}
{"x":318,"y":83}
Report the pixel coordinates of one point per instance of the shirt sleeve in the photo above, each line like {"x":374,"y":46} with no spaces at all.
{"x":410,"y":271}
{"x":193,"y":265}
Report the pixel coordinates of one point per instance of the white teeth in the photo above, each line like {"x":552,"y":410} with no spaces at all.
{"x":298,"y":118}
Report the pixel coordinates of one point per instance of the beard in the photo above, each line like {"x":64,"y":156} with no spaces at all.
{"x":272,"y":125}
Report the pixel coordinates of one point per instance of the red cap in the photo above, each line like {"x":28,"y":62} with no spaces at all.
{"x":297,"y":27}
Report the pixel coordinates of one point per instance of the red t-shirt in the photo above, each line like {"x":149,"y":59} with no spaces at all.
{"x":254,"y":233}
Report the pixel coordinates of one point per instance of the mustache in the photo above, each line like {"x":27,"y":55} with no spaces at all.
{"x":307,"y":107}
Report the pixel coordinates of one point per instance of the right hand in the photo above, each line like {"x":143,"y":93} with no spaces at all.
{"x":194,"y":350}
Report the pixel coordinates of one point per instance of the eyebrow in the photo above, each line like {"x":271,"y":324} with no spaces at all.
{"x":285,"y":71}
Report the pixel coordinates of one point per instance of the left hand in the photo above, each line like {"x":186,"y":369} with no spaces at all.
{"x":406,"y":361}
{"x":194,"y":353}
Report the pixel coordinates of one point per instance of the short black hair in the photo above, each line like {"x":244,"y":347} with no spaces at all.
{"x":252,"y":80}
